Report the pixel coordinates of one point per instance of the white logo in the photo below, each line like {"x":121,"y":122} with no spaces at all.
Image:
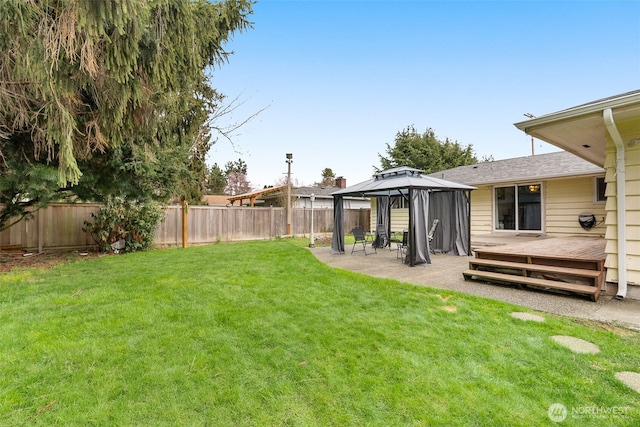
{"x":557,"y":412}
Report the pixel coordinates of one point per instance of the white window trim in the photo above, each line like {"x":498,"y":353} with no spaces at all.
{"x":595,"y":191}
{"x":517,"y":230}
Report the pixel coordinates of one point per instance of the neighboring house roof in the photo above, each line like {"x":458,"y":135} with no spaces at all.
{"x":212,"y":199}
{"x":317,"y":191}
{"x":581,"y":130}
{"x":253,"y":195}
{"x":397,"y":181}
{"x":542,"y":166}
{"x":322,"y":192}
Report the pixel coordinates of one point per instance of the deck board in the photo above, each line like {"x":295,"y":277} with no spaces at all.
{"x":560,"y":248}
{"x":592,"y":291}
{"x":565,"y":255}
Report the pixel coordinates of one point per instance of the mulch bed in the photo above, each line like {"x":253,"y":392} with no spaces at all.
{"x":19,"y":260}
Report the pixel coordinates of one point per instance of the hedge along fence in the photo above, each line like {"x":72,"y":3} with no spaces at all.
{"x":59,"y":226}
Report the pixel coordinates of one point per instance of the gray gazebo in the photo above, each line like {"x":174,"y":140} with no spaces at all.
{"x":428,"y":198}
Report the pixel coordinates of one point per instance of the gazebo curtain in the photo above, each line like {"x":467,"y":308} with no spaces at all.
{"x":463,"y":217}
{"x":452,"y":233}
{"x":383,"y":217}
{"x":418,"y":228}
{"x":337,"y":242}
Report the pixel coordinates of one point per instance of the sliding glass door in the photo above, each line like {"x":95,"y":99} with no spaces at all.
{"x":518,"y":208}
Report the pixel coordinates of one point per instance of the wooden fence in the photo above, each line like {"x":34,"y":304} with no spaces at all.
{"x":59,"y":226}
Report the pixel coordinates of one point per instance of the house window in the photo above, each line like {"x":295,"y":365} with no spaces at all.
{"x":518,"y":207}
{"x":399,"y":202}
{"x":600,"y":190}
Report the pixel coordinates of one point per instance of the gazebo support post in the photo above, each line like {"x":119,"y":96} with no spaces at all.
{"x":412,"y":231}
{"x":468,"y":200}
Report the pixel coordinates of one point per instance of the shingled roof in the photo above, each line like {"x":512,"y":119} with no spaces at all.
{"x":539,"y":167}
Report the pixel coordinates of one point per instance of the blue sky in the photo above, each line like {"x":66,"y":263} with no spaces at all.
{"x":338,"y":79}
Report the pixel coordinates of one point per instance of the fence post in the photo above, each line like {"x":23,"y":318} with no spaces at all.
{"x":272,"y":231}
{"x":40,"y":230}
{"x":185,"y":214}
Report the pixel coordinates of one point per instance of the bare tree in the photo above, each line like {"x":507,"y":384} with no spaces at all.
{"x":237,"y":183}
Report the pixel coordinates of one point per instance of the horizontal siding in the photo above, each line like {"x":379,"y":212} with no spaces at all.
{"x":632,"y":213}
{"x":632,"y":217}
{"x":633,"y":277}
{"x":481,"y":211}
{"x":633,"y":178}
{"x":399,"y":219}
{"x":632,"y":203}
{"x":633,"y":247}
{"x":565,"y":200}
{"x":633,"y":263}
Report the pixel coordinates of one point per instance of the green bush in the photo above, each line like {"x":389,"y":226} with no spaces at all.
{"x":121,"y":219}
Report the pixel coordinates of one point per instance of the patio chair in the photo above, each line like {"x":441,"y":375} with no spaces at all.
{"x":403,"y":245}
{"x":431,"y":233}
{"x":396,"y":239}
{"x":433,"y":229}
{"x":382,"y":239}
{"x":360,"y":239}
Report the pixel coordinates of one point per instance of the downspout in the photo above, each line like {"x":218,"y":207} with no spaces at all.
{"x":621,"y":205}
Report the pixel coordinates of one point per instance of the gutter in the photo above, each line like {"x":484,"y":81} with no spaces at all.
{"x":621,"y":196}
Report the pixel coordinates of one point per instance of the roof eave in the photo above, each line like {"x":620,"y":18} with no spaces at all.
{"x":580,"y":111}
{"x":545,"y":177}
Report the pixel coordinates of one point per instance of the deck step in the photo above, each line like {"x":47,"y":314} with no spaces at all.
{"x":592,"y":291}
{"x":596,"y":275}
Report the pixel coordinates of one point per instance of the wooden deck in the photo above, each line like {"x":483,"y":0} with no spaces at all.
{"x":569,"y":264}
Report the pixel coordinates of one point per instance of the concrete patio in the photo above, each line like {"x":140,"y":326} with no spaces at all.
{"x":445,"y":272}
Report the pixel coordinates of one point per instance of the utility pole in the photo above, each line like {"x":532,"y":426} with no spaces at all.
{"x":531,"y":116}
{"x":289,"y":161}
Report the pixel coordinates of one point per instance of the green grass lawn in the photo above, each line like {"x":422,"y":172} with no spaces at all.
{"x":261,"y":333}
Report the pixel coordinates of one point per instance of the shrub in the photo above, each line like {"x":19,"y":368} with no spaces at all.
{"x":121,"y":219}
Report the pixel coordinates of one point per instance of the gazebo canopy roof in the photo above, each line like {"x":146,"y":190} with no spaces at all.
{"x":398,"y":181}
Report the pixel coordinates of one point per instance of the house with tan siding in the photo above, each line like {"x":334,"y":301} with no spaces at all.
{"x":605,"y":133}
{"x":544,"y":194}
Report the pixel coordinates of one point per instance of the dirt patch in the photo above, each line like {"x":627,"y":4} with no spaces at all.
{"x":323,"y":240}
{"x":607,"y":326}
{"x":44,"y":260}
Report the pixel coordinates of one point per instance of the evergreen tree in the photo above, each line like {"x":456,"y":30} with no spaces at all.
{"x":216,"y":181}
{"x":425,"y":152}
{"x":102,"y":98}
{"x":328,"y":177}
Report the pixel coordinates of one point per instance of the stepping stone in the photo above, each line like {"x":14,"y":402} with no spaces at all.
{"x":576,"y":345}
{"x":632,"y":379}
{"x":527,"y":316}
